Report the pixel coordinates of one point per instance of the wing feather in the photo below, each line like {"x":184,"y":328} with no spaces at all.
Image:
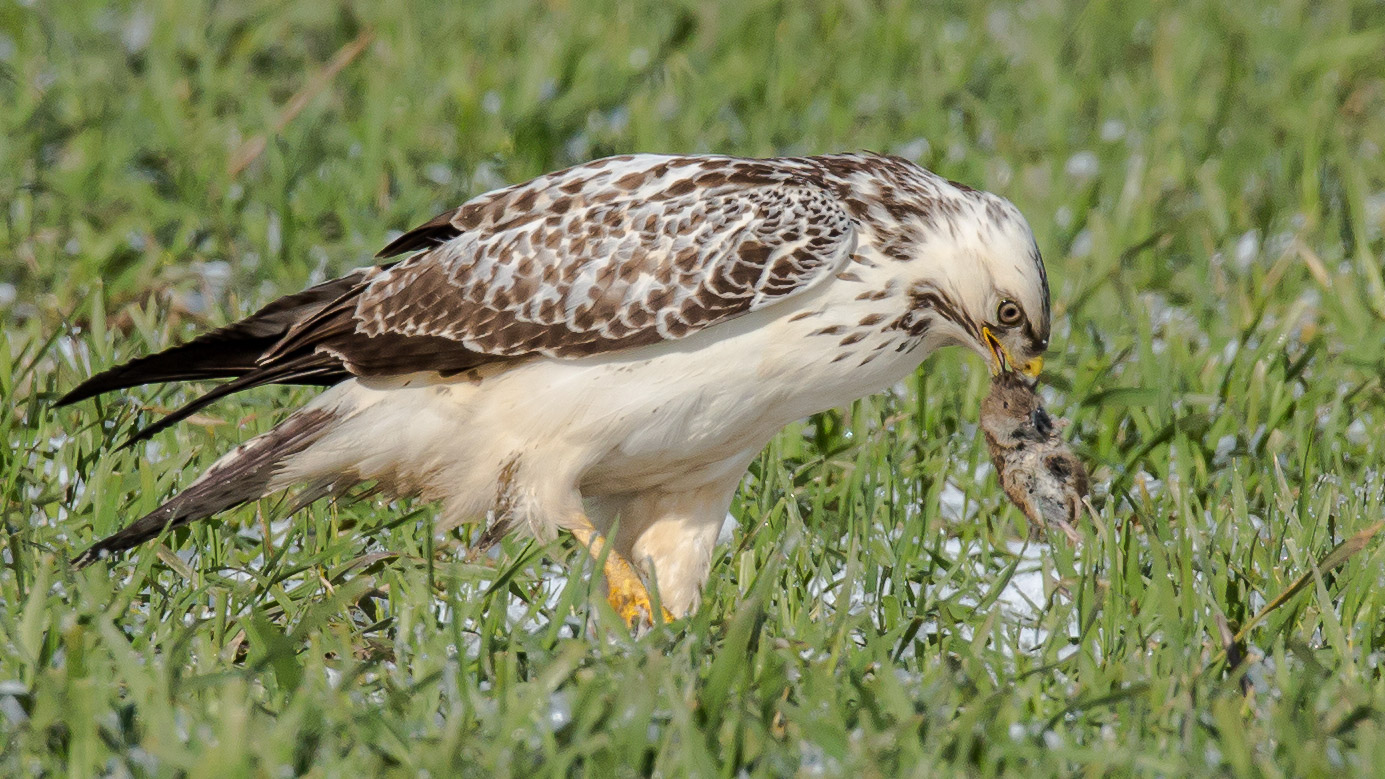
{"x":613,"y":254}
{"x":606,"y":257}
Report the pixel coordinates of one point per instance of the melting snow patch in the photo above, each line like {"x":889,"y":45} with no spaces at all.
{"x":1082,"y":166}
{"x":953,"y":503}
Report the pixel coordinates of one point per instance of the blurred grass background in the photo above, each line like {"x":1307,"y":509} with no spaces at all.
{"x":1206,"y":181}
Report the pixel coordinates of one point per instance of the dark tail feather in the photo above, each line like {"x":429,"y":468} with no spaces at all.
{"x":241,"y":476}
{"x":303,"y":369}
{"x":327,"y":487}
{"x":230,"y":351}
{"x":225,"y":353}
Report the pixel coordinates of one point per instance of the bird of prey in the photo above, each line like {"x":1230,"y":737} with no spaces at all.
{"x":603,"y":350}
{"x":1037,"y":470}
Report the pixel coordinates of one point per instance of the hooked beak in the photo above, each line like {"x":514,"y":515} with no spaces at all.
{"x":1001,"y":361}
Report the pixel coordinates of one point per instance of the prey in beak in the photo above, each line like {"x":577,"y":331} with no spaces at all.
{"x":1002,"y":362}
{"x":1037,"y":468}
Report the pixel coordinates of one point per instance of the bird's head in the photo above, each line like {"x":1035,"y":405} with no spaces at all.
{"x":985,"y":280}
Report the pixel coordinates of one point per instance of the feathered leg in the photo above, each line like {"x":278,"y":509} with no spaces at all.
{"x":672,"y":537}
{"x":625,"y":590}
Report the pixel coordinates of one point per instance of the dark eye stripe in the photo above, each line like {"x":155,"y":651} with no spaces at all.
{"x":924,"y":296}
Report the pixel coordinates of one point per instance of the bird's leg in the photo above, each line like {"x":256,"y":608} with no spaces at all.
{"x":625,"y":590}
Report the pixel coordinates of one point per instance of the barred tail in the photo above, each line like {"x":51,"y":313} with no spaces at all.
{"x":244,"y":474}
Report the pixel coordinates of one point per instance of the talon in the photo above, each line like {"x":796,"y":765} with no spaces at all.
{"x":625,"y":590}
{"x":628,"y":596}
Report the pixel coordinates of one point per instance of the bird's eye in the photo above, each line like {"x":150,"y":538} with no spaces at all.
{"x":1009,"y":313}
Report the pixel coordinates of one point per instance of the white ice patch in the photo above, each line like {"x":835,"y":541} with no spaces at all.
{"x":1082,"y":166}
{"x":1112,"y":130}
{"x":953,"y":503}
{"x":729,"y":526}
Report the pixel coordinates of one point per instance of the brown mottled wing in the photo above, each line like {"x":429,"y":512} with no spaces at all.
{"x":607,"y":256}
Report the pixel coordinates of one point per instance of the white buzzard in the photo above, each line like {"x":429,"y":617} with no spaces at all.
{"x":610,"y":345}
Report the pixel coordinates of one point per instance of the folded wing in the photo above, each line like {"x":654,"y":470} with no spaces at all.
{"x":606,"y":256}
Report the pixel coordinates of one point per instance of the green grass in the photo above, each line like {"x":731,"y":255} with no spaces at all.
{"x":1206,"y":181}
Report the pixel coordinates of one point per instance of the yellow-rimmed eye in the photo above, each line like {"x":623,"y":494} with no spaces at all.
{"x":1008,"y":313}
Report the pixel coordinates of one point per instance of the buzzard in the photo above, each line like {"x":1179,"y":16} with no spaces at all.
{"x":603,"y":350}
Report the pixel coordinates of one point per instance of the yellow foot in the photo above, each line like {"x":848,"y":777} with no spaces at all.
{"x":628,"y":595}
{"x":626,"y":592}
